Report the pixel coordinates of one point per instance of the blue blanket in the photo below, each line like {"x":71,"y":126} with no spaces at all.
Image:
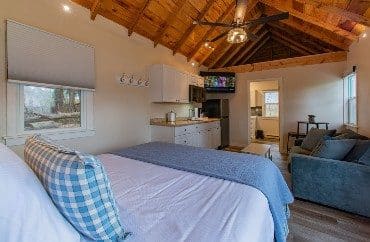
{"x":250,"y":170}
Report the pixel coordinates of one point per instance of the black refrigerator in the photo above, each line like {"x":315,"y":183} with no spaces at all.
{"x":219,"y":108}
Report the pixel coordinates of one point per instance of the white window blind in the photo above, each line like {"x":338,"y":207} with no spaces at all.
{"x":36,"y":56}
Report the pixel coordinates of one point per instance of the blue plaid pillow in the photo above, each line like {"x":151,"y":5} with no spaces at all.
{"x":79,"y":187}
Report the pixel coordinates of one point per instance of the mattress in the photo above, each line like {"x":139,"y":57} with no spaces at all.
{"x":160,"y":204}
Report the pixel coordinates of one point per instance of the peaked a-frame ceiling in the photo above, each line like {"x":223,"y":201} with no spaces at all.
{"x":314,"y":27}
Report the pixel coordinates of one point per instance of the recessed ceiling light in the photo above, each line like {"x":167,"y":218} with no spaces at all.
{"x":364,"y":35}
{"x":66,"y":8}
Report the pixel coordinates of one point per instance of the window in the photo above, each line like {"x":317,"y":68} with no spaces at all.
{"x":51,"y":108}
{"x":350,"y":99}
{"x":58,"y":112}
{"x":271,"y":104}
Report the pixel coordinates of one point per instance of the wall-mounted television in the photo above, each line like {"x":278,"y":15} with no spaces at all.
{"x":219,"y":81}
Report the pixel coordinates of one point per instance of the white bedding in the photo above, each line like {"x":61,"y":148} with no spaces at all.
{"x":160,"y":204}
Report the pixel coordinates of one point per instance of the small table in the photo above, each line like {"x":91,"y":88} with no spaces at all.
{"x":258,"y":149}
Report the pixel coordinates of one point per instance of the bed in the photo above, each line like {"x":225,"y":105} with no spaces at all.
{"x":163,"y":204}
{"x":158,"y":202}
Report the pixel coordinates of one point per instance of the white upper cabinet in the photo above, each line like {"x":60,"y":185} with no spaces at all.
{"x":168,"y":84}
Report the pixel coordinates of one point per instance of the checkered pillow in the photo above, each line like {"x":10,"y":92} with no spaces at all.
{"x":78,"y":186}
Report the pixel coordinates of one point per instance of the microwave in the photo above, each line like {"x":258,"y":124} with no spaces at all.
{"x":197,"y":94}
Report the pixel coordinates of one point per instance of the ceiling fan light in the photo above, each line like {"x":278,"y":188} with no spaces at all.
{"x":237,"y":35}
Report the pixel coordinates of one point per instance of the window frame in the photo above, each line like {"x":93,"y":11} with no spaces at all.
{"x":15,"y":132}
{"x":264,"y":104}
{"x":347,"y":98}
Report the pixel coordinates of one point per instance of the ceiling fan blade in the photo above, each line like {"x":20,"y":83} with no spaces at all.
{"x":218,"y":37}
{"x":267,"y":19}
{"x":213,"y":24}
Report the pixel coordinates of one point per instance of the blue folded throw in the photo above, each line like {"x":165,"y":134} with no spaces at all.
{"x":254,"y":171}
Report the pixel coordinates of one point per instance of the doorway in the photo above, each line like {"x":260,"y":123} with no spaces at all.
{"x":265,"y":111}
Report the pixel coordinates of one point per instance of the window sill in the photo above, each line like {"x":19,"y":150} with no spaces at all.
{"x":54,"y":135}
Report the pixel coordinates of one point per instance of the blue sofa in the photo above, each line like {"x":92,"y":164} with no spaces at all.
{"x":339,"y":184}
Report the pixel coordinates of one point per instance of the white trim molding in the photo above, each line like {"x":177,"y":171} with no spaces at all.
{"x":15,"y":133}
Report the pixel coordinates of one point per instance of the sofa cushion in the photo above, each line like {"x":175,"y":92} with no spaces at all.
{"x":365,"y":159}
{"x":358,"y":151}
{"x":299,"y":150}
{"x":78,"y":185}
{"x":349,"y":134}
{"x":333,"y":149}
{"x":314,"y":136}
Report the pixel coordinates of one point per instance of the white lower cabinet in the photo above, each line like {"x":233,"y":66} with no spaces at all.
{"x":206,"y":135}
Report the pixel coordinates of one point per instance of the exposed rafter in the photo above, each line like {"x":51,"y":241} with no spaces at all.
{"x":224,"y":50}
{"x":285,"y":6}
{"x":287,"y":44}
{"x":285,"y":28}
{"x":317,"y":34}
{"x":191,"y":28}
{"x":138,"y":17}
{"x":94,"y":9}
{"x":210,"y":31}
{"x":293,"y":42}
{"x":248,"y":48}
{"x":231,"y":56}
{"x":342,"y":13}
{"x":290,"y":62}
{"x":162,"y":29}
{"x":245,"y":59}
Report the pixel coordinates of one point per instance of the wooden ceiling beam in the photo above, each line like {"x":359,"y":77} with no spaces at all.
{"x":238,"y":48}
{"x":317,"y":34}
{"x":210,"y":31}
{"x":171,"y":17}
{"x":191,"y":28}
{"x":138,"y":17}
{"x":245,"y":51}
{"x":287,"y":44}
{"x":94,"y":9}
{"x":284,"y":28}
{"x":293,"y":42}
{"x":259,"y":46}
{"x":225,"y":50}
{"x":290,"y":62}
{"x":285,"y":6}
{"x":330,"y":9}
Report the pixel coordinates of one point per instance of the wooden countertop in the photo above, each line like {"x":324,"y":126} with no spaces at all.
{"x":181,"y":122}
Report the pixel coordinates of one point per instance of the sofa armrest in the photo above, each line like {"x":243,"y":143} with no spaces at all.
{"x":341,"y":184}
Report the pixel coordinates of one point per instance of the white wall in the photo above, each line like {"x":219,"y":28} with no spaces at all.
{"x":121,"y":113}
{"x":359,"y":56}
{"x":313,"y":89}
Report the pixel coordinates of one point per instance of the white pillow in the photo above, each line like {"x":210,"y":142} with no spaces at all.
{"x":26,"y":211}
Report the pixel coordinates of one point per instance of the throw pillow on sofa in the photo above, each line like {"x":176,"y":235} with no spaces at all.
{"x":314,"y":136}
{"x":358,"y":151}
{"x":79,"y":187}
{"x":333,"y":149}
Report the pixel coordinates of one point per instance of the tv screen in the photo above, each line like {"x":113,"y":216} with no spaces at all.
{"x":219,"y":81}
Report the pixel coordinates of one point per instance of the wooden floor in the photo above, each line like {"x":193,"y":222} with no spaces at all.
{"x":313,"y":222}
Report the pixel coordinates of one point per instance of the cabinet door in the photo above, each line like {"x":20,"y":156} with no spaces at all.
{"x":216,"y":137}
{"x":183,"y":88}
{"x":169,"y":84}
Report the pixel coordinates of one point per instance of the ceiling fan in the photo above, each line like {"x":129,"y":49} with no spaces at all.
{"x":239,"y":31}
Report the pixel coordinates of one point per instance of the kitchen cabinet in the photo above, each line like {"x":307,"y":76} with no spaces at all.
{"x":168,"y":84}
{"x":205,"y":135}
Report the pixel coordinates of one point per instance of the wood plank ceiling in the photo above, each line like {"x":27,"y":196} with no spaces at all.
{"x":315,"y":27}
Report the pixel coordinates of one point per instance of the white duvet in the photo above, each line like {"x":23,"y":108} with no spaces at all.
{"x":159,"y":204}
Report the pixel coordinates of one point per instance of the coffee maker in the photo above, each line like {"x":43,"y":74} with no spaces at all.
{"x":195,"y":113}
